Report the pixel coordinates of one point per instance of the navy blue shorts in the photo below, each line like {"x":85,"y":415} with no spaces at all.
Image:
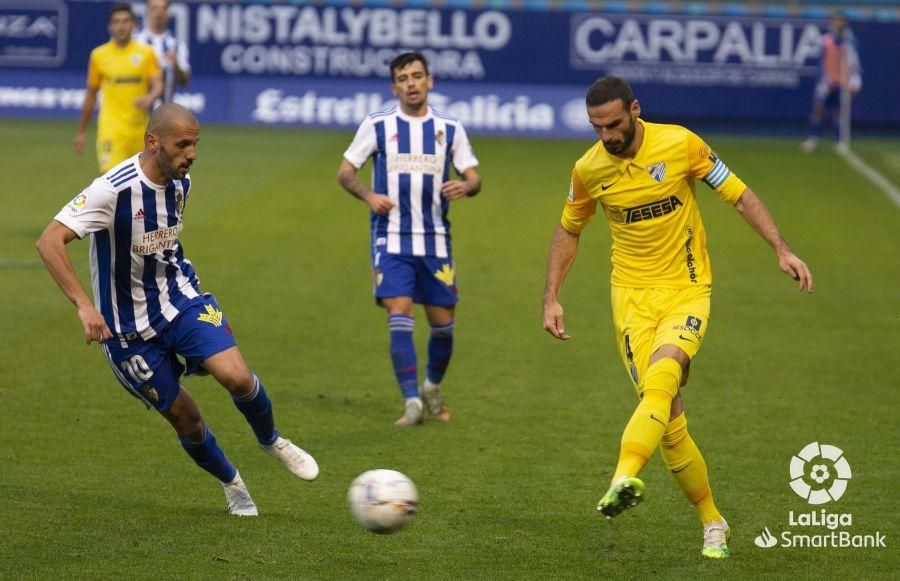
{"x":150,"y":370}
{"x":427,"y":279}
{"x":827,"y":95}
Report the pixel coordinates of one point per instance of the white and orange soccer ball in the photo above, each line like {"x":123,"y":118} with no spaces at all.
{"x":383,"y":501}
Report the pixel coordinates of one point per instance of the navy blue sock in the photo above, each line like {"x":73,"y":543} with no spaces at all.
{"x":257,"y":409}
{"x":815,"y":127}
{"x":403,"y":354}
{"x":440,"y":349}
{"x":207,"y":454}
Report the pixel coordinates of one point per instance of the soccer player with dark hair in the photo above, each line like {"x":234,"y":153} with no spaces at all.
{"x":148,"y":309}
{"x":642,"y":175}
{"x":127,"y":74}
{"x":413,"y":147}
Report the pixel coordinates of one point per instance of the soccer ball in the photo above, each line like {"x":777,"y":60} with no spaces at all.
{"x":382,"y":500}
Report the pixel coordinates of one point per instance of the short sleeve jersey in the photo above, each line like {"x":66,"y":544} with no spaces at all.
{"x":658,"y":238}
{"x":140,"y":276}
{"x":412,"y":157}
{"x":122,"y":74}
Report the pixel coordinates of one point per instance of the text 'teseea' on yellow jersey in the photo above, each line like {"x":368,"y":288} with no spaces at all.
{"x":658,"y":239}
{"x":122,"y":74}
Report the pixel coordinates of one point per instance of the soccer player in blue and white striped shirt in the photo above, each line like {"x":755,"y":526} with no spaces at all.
{"x":172,"y":54}
{"x":413,"y":148}
{"x":148,"y":308}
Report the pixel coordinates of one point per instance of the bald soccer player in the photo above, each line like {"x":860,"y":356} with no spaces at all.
{"x":149,"y":315}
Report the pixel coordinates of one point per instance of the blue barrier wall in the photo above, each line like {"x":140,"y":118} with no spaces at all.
{"x":509,"y":72}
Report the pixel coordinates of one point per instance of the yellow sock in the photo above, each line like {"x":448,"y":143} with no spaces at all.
{"x":647,"y":425}
{"x":685,"y":462}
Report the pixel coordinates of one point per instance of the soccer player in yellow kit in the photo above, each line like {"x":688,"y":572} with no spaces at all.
{"x":128,"y":75}
{"x":642,"y":175}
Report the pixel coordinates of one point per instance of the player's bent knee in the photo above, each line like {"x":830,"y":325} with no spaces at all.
{"x":677,"y":408}
{"x":188,"y":424}
{"x":237,"y":381}
{"x":672,"y":352}
{"x":192,"y":429}
{"x":398,"y":305}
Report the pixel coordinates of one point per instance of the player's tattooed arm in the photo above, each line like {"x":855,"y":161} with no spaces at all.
{"x":52,"y":248}
{"x":469,"y":185}
{"x":755,"y":213}
{"x":379,"y":203}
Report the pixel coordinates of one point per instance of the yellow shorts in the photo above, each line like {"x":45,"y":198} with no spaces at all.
{"x":648,"y":318}
{"x":115,"y":148}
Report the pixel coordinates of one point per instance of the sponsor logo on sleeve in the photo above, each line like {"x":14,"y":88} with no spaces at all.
{"x":77,"y":203}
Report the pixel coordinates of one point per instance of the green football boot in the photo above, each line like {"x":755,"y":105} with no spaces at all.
{"x":623,"y":494}
{"x":715,"y":540}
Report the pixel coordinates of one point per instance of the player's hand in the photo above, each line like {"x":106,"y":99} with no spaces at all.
{"x":95,"y":328}
{"x":796,"y":269}
{"x":78,"y":144}
{"x":455,"y":189}
{"x":553,"y":320}
{"x":380,"y":204}
{"x":170,"y":56}
{"x":144,"y":102}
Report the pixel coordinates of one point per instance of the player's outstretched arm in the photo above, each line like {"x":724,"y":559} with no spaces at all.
{"x":468,"y":186}
{"x":52,"y":248}
{"x":757,"y":215}
{"x":379,"y":203}
{"x":563,"y":249}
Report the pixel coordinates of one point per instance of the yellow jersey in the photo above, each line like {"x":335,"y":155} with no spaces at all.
{"x":658,"y":239}
{"x":122,"y":75}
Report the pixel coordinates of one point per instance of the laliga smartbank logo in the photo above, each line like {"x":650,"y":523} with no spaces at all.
{"x":819,"y":474}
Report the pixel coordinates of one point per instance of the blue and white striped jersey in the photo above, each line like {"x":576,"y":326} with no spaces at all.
{"x":412,"y":158}
{"x":162,"y":44}
{"x":140,"y":277}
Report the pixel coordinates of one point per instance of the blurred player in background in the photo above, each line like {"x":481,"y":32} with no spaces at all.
{"x":642,"y":175}
{"x":840,"y":70}
{"x":413,"y":148}
{"x":148,"y":308}
{"x":171,"y":54}
{"x":127,"y":75}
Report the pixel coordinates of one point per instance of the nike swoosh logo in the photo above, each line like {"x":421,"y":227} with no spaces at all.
{"x":652,"y":417}
{"x":680,"y":469}
{"x":605,"y":187}
{"x":686,"y":339}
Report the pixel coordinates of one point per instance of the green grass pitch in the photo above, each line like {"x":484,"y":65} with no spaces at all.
{"x":94,"y":486}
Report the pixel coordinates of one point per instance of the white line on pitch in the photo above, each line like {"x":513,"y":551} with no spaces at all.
{"x":873,"y":175}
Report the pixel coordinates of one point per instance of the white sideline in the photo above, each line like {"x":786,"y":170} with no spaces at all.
{"x":872,"y":174}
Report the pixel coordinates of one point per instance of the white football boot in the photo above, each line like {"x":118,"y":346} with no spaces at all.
{"x":237,"y":498}
{"x":298,"y":461}
{"x":412,"y":413}
{"x":431,"y":393}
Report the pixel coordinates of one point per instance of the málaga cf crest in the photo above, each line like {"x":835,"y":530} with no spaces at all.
{"x":657,"y":171}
